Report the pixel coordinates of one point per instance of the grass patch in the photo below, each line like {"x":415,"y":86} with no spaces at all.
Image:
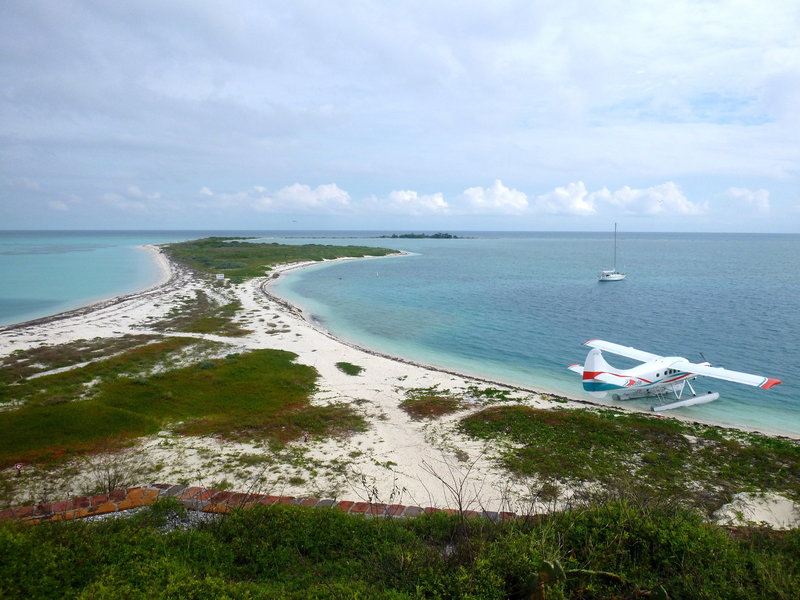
{"x":490,"y":394}
{"x":703,"y":464}
{"x":349,"y":368}
{"x":620,"y":549}
{"x":75,"y":384}
{"x":430,"y":403}
{"x":23,"y":363}
{"x":202,"y":315}
{"x":240,"y":260}
{"x":257,"y":394}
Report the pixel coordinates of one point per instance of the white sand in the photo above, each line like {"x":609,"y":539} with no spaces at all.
{"x":772,"y":510}
{"x":397,"y":460}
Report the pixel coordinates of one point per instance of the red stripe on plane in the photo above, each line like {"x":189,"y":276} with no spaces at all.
{"x":770,"y":382}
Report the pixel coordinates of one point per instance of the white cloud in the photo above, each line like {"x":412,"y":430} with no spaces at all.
{"x":570,"y":200}
{"x":758,"y":199}
{"x":496,"y":199}
{"x":121,"y":202}
{"x":133,"y":199}
{"x":134,"y":192}
{"x":300,"y":197}
{"x":666,"y":198}
{"x":412,"y":203}
{"x":164,"y":94}
{"x":58,"y":205}
{"x":31,"y":185}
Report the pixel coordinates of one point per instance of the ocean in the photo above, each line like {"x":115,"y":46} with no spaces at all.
{"x":512,"y":307}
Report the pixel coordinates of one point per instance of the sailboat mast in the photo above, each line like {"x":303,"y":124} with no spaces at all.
{"x":615,"y":246}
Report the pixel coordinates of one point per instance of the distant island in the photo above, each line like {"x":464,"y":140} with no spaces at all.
{"x":417,"y":236}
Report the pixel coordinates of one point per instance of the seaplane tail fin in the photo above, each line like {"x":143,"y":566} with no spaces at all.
{"x":576,"y":368}
{"x":597,"y":374}
{"x":621,"y":350}
{"x":595,"y":364}
{"x":726,"y":374}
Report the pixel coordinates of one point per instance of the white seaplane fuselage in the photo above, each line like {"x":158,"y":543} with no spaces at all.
{"x":642,"y":380}
{"x":656,"y":376}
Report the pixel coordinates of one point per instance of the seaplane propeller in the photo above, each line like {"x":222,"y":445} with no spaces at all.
{"x":657,"y":376}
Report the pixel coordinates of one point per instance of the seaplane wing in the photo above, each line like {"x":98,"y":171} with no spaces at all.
{"x":726,"y":374}
{"x":621,"y":350}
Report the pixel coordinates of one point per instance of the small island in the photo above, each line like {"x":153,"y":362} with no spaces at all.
{"x":423,"y":236}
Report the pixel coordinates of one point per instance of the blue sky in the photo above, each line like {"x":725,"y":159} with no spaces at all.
{"x":507,"y":115}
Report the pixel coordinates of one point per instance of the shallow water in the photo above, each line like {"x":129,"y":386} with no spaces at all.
{"x":516,"y":307}
{"x":513,"y":307}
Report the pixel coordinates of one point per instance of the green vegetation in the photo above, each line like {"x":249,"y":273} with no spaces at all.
{"x":201,"y":315}
{"x":24,"y":363}
{"x":422,"y":236}
{"x":431,"y":403}
{"x":701,"y":464}
{"x":261,"y":394}
{"x":77,"y":383}
{"x":349,"y":368}
{"x":240,"y":260}
{"x":491,"y":394}
{"x":623,"y":549}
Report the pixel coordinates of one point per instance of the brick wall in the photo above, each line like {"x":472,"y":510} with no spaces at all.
{"x":209,"y":501}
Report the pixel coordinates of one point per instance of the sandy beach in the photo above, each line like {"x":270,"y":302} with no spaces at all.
{"x":396,"y":460}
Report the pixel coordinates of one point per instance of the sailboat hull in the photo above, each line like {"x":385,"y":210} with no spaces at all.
{"x":611,"y":276}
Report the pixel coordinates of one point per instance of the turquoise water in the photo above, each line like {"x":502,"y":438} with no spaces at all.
{"x":513,"y":307}
{"x":516,"y":307}
{"x":44,"y":273}
{"x":47,"y":272}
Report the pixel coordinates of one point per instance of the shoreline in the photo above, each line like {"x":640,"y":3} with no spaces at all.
{"x":173,"y":276}
{"x":168,"y":273}
{"x":404,"y":459}
{"x":314,"y":323}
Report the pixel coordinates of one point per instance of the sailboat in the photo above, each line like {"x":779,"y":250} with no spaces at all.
{"x":613,"y":274}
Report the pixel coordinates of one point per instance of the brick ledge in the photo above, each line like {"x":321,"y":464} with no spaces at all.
{"x":210,"y":501}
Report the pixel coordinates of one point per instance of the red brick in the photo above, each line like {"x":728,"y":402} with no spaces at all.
{"x":99,"y":499}
{"x":285,"y":500}
{"x":190,"y":493}
{"x":360,"y":507}
{"x":105,"y":508}
{"x":221,"y":497}
{"x":267,"y":500}
{"x":309,"y":502}
{"x":82,"y":502}
{"x":55,"y":507}
{"x":238,"y":499}
{"x":138,"y":497}
{"x":395,"y":510}
{"x":344,"y":505}
{"x":376,"y":509}
{"x":205,"y":495}
{"x":7,"y":514}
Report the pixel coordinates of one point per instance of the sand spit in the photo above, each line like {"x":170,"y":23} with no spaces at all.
{"x":398,"y":460}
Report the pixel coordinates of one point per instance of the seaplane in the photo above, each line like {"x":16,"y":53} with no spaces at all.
{"x":662,"y":377}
